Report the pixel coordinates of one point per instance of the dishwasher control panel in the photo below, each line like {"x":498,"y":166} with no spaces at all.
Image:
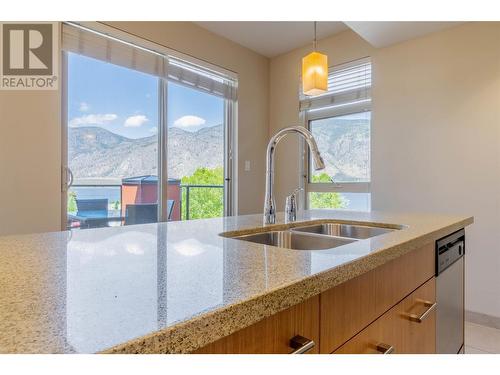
{"x":449,"y":249}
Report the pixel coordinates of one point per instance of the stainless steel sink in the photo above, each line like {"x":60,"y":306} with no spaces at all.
{"x":295,"y":240}
{"x":343,"y":230}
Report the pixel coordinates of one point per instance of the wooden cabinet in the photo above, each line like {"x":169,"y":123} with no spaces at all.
{"x":382,"y":336}
{"x":407,"y":328}
{"x":348,"y":308}
{"x":272,"y":335}
{"x":381,"y":310}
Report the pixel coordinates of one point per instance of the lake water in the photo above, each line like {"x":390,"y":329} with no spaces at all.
{"x":91,"y":192}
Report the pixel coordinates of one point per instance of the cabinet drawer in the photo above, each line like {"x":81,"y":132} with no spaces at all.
{"x":272,"y":335}
{"x":407,"y":328}
{"x":349,"y":307}
{"x":419,"y":335}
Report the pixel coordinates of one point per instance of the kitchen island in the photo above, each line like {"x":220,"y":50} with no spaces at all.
{"x":179,"y":287}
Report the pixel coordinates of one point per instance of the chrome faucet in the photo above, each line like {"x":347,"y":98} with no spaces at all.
{"x":269,"y":203}
{"x":291,"y":206}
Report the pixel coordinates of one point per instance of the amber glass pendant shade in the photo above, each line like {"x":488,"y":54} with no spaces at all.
{"x":315,"y":74}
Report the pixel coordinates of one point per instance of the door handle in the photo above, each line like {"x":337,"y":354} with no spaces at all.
{"x":301,"y":344}
{"x":385,"y":348}
{"x":420,"y":318}
{"x":70,"y":177}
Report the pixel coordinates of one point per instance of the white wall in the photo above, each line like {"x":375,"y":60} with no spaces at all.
{"x":436,"y":140}
{"x":435,"y":134}
{"x":30,"y":130}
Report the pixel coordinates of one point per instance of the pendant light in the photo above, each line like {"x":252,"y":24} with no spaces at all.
{"x":314,"y":71}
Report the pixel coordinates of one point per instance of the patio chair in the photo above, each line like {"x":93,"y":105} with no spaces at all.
{"x":145,"y":213}
{"x":141,"y":213}
{"x":92,"y":213}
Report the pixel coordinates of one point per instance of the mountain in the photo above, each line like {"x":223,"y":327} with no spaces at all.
{"x":97,"y":152}
{"x":345,"y":147}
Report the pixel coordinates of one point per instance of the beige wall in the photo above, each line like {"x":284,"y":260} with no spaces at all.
{"x":30,"y":140}
{"x":30,"y":161}
{"x":435,"y":134}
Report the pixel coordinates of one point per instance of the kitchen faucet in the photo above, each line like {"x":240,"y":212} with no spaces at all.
{"x":269,"y":203}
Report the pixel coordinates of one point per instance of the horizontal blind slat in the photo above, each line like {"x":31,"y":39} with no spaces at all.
{"x":191,"y":76}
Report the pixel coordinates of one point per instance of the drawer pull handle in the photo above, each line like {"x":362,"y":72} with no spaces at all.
{"x":420,"y":318}
{"x":385,"y":349}
{"x":301,"y":344}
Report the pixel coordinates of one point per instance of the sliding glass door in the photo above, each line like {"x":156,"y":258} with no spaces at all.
{"x":141,"y":145}
{"x":112,"y":144}
{"x":196,"y":151}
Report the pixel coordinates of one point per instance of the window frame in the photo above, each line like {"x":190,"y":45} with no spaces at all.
{"x":343,"y":187}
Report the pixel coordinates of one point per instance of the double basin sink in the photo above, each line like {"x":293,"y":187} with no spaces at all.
{"x":315,"y":236}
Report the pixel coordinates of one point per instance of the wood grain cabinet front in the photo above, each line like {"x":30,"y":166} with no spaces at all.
{"x":407,"y":328}
{"x":273,"y":335}
{"x":417,"y":320}
{"x":349,"y":307}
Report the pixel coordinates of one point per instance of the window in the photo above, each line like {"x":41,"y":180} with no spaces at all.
{"x":196,"y":150}
{"x":136,"y":117}
{"x":340,"y":122}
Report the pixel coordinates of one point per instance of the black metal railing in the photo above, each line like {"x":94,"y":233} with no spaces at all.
{"x":186,"y":189}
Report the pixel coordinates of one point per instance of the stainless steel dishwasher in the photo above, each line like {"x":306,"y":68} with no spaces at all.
{"x":450,"y":252}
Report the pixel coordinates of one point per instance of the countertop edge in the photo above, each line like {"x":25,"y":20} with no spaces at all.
{"x":190,"y":335}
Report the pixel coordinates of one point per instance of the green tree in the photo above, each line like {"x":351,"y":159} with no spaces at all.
{"x":209,"y":202}
{"x":326,"y":200}
{"x":204,"y":202}
{"x":71,"y":201}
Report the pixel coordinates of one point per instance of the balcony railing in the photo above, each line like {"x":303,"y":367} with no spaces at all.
{"x":188,"y":190}
{"x":115,"y":198}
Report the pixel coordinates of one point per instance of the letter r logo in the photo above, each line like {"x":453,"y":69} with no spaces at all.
{"x":27,"y":49}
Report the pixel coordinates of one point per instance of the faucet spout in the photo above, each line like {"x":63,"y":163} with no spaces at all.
{"x":269,"y":202}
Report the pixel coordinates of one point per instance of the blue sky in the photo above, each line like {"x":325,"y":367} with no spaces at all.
{"x":125,"y":101}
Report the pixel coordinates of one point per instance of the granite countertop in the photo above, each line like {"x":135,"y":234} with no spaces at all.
{"x":174,"y":287}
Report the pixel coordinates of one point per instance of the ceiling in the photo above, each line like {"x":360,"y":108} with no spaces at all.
{"x":383,"y":34}
{"x":272,"y":38}
{"x":277,"y":37}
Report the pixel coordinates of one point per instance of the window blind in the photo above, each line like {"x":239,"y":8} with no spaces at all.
{"x":102,"y":47}
{"x":81,"y":40}
{"x":347,"y":83}
{"x":190,"y":75}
